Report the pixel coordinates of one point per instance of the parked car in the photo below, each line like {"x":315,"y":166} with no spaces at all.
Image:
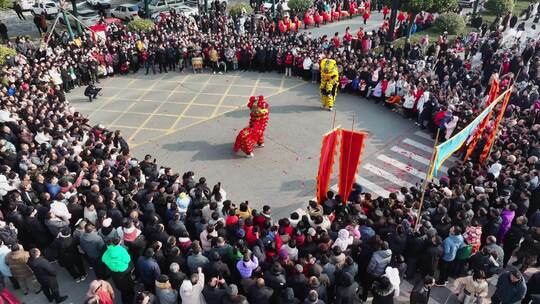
{"x":26,"y":5}
{"x":125,"y":11}
{"x":180,"y":8}
{"x":85,"y":16}
{"x":193,"y":3}
{"x":268,"y":5}
{"x":467,"y":3}
{"x":99,"y":3}
{"x":50,"y":8}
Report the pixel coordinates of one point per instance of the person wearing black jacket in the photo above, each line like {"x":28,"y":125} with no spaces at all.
{"x":430,"y":256}
{"x":46,"y":276}
{"x":513,"y":237}
{"x":259,"y":293}
{"x":492,"y":226}
{"x":214,"y":290}
{"x":68,"y":254}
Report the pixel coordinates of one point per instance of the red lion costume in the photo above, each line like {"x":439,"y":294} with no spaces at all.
{"x":254,"y":134}
{"x":259,"y":116}
{"x":245,"y":140}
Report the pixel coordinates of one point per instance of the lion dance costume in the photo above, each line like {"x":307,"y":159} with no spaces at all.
{"x":254,"y":134}
{"x":329,"y":82}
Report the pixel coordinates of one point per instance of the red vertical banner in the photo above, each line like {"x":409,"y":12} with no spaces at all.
{"x":494,"y":90}
{"x":352,"y":144}
{"x":326,"y":163}
{"x":493,"y":133}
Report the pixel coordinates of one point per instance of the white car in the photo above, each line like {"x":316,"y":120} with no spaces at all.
{"x":186,"y":10}
{"x":99,"y":3}
{"x":193,"y":3}
{"x":125,"y":11}
{"x":469,"y":3}
{"x":86,"y":16}
{"x":50,"y":8}
{"x":268,"y":5}
{"x":180,"y":8}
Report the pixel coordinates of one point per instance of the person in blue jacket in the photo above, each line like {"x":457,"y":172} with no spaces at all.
{"x":451,"y":244}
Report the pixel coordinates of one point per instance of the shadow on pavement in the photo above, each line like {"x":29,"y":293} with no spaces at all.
{"x":204,"y":150}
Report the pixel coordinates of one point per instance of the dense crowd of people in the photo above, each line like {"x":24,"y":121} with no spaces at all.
{"x":73,"y":193}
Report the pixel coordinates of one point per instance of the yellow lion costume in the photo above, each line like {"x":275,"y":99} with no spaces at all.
{"x":329,"y":82}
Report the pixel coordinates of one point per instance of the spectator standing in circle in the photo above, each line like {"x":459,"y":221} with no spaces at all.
{"x":46,"y":276}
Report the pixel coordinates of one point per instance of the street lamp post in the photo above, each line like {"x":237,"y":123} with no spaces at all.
{"x":273,"y":8}
{"x":76,"y":14}
{"x":393,"y":16}
{"x":146,"y":12}
{"x":66,"y":20}
{"x":475,"y":8}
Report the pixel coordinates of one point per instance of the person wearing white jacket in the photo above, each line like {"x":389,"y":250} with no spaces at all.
{"x":191,"y":290}
{"x":344,"y":240}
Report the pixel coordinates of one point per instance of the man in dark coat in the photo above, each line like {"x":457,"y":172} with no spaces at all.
{"x":421,"y":291}
{"x":513,"y":237}
{"x":45,"y":275}
{"x":346,"y":290}
{"x":259,"y":293}
{"x":511,"y":287}
{"x":429,"y":258}
{"x":215,"y":290}
{"x":148,"y":269}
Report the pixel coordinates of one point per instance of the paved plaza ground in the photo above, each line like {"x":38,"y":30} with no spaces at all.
{"x":190,"y":121}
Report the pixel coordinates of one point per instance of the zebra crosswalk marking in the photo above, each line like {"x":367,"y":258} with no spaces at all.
{"x":373,"y":188}
{"x":401,"y":166}
{"x":418,"y":145}
{"x":423,"y":135}
{"x":388,"y":176}
{"x":415,"y":157}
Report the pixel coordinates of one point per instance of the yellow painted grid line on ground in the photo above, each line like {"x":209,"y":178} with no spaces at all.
{"x":149,"y":117}
{"x":282,"y":82}
{"x":216,"y":109}
{"x":128,"y":108}
{"x":134,"y":145}
{"x":171,"y":129}
{"x":109,"y":99}
{"x":137,"y":128}
{"x":160,"y":114}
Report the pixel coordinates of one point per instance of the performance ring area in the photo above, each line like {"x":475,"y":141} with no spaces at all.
{"x":190,"y":121}
{"x":147,"y":107}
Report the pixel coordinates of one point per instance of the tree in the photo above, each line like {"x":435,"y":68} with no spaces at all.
{"x":6,"y":52}
{"x":141,"y":25}
{"x":299,"y":6}
{"x":237,"y":9}
{"x":416,"y":6}
{"x":500,"y":7}
{"x":444,"y":6}
{"x":450,"y":22}
{"x":5,"y":4}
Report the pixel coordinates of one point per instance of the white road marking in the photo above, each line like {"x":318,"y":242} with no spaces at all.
{"x":416,"y":157}
{"x":423,"y":135}
{"x":373,"y":188}
{"x":404,"y":167}
{"x":388,"y":176}
{"x":418,"y":145}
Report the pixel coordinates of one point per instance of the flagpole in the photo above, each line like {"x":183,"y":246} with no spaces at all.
{"x":497,"y":126}
{"x":346,"y":199}
{"x":424,"y":185}
{"x":334,"y":120}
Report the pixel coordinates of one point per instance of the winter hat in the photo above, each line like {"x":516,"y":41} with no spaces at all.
{"x":299,"y":268}
{"x":232,"y":290}
{"x":240,"y":233}
{"x":107,"y":222}
{"x":311,"y":231}
{"x":163,"y":278}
